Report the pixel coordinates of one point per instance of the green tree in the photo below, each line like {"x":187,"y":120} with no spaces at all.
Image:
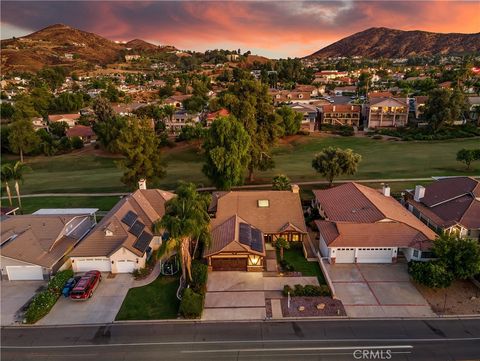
{"x":432,"y":274}
{"x":22,"y":137}
{"x":108,"y":125}
{"x":281,"y":243}
{"x":58,"y":128}
{"x":281,"y":183}
{"x":467,"y":156}
{"x":443,"y":107}
{"x":226,"y":147}
{"x":6,"y":110}
{"x":7,"y":176}
{"x":332,"y":162}
{"x":186,"y":220}
{"x":140,"y":147}
{"x":291,"y":120}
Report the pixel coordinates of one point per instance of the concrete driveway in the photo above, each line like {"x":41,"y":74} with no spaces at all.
{"x":14,"y":295}
{"x":101,"y":308}
{"x":377,"y":290}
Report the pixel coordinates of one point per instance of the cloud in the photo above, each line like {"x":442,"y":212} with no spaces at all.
{"x":281,"y":28}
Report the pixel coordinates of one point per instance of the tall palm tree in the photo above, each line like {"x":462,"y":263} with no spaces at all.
{"x":6,"y":178}
{"x":186,"y":219}
{"x":18,"y":170}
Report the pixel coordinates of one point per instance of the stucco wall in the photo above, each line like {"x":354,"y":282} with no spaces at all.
{"x":125,"y":254}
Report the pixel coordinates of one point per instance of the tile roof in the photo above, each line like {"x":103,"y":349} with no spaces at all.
{"x":148,"y":204}
{"x":341,"y":108}
{"x":446,"y":189}
{"x":284,"y":207}
{"x":39,"y":239}
{"x":387,"y":102}
{"x":80,"y":131}
{"x":60,"y":117}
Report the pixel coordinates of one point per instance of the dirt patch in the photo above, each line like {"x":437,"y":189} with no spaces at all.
{"x":330,"y":307}
{"x":268,"y":308}
{"x":461,"y":298}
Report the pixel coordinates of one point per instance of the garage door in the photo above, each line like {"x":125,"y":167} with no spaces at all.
{"x":125,"y":266}
{"x":345,"y":255}
{"x":89,"y":264}
{"x":24,"y":273}
{"x":374,"y":255}
{"x":229,"y":264}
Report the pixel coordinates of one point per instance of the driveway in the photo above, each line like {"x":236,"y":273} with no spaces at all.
{"x":101,"y":308}
{"x":14,"y":296}
{"x":377,"y":290}
{"x":237,"y":295}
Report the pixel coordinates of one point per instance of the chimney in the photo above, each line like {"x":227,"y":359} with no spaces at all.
{"x":386,"y":190}
{"x":334,"y":108}
{"x":419,"y":193}
{"x":295,"y":188}
{"x":142,"y":184}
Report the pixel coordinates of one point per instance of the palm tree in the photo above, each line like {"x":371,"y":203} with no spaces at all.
{"x":186,"y":219}
{"x":18,"y":170}
{"x":7,"y":177}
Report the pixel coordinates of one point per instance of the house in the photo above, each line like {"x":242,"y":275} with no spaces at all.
{"x":180,"y":119}
{"x":39,"y":123}
{"x":176,"y":100}
{"x":127,"y":109}
{"x":217,"y":114}
{"x":70,"y":119}
{"x":419,"y":105}
{"x":345,"y":90}
{"x":243,"y":221}
{"x":33,"y":247}
{"x":386,"y":112}
{"x":363,"y":225}
{"x":85,"y":133}
{"x":132,"y":57}
{"x":342,"y":114}
{"x":123,"y":240}
{"x":474,"y":110}
{"x":312,"y":89}
{"x":233,"y":57}
{"x":286,"y":96}
{"x":310,"y":115}
{"x":385,"y":94}
{"x":450,"y":205}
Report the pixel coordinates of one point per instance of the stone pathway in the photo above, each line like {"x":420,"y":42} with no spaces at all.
{"x":276,"y":309}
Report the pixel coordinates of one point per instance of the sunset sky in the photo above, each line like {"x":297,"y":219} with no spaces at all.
{"x":274,"y":29}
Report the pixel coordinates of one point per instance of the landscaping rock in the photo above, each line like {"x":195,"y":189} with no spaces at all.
{"x":320,"y":306}
{"x":301,"y":308}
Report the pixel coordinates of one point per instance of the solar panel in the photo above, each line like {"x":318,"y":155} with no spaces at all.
{"x":143,"y":241}
{"x":137,"y":228}
{"x":130,"y":218}
{"x":245,"y":236}
{"x":257,"y":240}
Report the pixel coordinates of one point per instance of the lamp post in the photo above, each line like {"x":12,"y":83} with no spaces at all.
{"x":288,"y":300}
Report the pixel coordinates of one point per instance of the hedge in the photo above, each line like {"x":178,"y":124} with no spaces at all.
{"x":432,"y":274}
{"x":306,"y":291}
{"x":199,"y":277}
{"x":191,"y":305}
{"x":43,"y":302}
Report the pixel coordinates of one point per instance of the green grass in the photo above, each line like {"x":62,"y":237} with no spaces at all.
{"x":31,"y":205}
{"x":380,"y":159}
{"x":295,"y":257}
{"x":154,"y":301}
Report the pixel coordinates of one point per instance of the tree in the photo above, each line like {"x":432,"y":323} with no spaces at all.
{"x":443,"y":107}
{"x":332,"y":162}
{"x":467,"y":156}
{"x":6,"y":178}
{"x":108,"y":125}
{"x":226,"y":147}
{"x":461,"y":256}
{"x":281,"y":183}
{"x":281,"y":243}
{"x":432,"y":274}
{"x":17,"y":172}
{"x":22,"y":137}
{"x":186,"y":219}
{"x":290,"y":120}
{"x":58,"y":128}
{"x":140,"y":146}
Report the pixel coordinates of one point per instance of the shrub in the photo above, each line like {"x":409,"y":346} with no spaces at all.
{"x":77,"y":143}
{"x":303,"y":132}
{"x":431,"y":274}
{"x":41,"y":304}
{"x":286,"y":266}
{"x":306,"y":291}
{"x":286,"y":290}
{"x":199,"y":277}
{"x":56,"y":284}
{"x":191,"y":305}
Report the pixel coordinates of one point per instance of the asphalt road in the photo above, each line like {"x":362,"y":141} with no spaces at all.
{"x":431,"y":340}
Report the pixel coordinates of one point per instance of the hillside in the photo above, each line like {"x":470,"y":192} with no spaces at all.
{"x":391,"y":43}
{"x":144,"y":46}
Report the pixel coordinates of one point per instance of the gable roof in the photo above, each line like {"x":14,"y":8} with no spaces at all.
{"x":147,"y":204}
{"x":80,"y":131}
{"x":356,"y":203}
{"x":226,"y":237}
{"x":39,"y":239}
{"x":387,"y":102}
{"x":284,"y":207}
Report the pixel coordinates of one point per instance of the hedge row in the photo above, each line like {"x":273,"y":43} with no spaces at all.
{"x":306,"y":291}
{"x":193,"y":297}
{"x":43,"y":302}
{"x":461,"y":131}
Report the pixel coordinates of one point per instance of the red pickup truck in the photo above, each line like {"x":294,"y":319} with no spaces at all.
{"x":86,"y":286}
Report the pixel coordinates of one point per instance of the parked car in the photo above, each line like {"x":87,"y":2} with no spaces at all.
{"x":69,"y":285}
{"x":86,"y":286}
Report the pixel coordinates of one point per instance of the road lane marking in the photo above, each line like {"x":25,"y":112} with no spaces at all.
{"x":180,"y":343}
{"x":337,"y":348}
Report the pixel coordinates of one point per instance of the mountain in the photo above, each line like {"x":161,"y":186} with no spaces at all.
{"x":392,"y":43}
{"x":63,"y":45}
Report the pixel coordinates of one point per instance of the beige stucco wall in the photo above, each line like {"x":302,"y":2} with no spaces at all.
{"x":125,"y":254}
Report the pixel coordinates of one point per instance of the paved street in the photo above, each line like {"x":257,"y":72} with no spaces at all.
{"x":307,"y":340}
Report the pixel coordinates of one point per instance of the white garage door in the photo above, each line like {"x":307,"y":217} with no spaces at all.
{"x":24,"y":273}
{"x":374,"y":255}
{"x":125,"y":266}
{"x":90,"y":264}
{"x":345,"y":255}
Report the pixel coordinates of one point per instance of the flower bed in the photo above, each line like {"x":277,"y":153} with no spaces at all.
{"x":312,"y":307}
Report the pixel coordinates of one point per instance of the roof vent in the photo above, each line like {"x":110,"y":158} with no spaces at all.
{"x":263,"y":203}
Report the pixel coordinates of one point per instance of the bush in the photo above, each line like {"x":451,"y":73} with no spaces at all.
{"x":56,"y":284}
{"x":306,"y":291}
{"x":77,"y":143}
{"x":199,"y":277}
{"x":343,"y":130}
{"x":41,"y":304}
{"x":286,"y":266}
{"x":191,"y":305}
{"x":432,"y":274}
{"x":303,"y":132}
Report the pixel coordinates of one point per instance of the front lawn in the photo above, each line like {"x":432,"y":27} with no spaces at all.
{"x":32,"y":204}
{"x":295,"y":257}
{"x":154,"y":301}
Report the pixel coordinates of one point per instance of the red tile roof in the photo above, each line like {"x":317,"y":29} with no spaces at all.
{"x":80,"y":131}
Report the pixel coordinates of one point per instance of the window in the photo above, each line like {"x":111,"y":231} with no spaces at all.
{"x":263,"y":203}
{"x":415,"y":253}
{"x":295,"y":237}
